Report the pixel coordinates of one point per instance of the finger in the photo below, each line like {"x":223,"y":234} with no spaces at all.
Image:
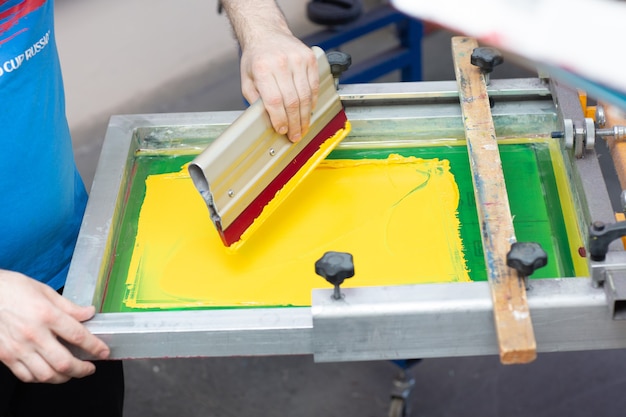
{"x":77,"y":334}
{"x":305,"y":96}
{"x":69,"y":328}
{"x":307,"y":83}
{"x":80,"y":313}
{"x":313,"y":78}
{"x":273,"y":103}
{"x":291,"y":103}
{"x":267,"y":90}
{"x":21,"y":371}
{"x":63,"y":364}
{"x":43,"y":371}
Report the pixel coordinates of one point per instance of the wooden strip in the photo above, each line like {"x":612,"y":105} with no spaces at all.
{"x":514,"y":328}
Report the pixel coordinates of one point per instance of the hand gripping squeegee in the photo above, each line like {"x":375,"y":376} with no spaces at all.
{"x":250,"y":169}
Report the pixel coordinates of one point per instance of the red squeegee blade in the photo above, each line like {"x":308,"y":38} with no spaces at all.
{"x":233,"y":232}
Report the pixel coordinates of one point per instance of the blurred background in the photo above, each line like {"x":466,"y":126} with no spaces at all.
{"x":155,"y":56}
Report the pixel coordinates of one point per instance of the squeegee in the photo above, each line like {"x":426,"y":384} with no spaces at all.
{"x":250,"y":169}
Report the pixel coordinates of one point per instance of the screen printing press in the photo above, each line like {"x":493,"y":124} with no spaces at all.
{"x":422,"y":286}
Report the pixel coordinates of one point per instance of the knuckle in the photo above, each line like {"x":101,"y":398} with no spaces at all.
{"x":298,"y":60}
{"x":47,"y":376}
{"x":64,"y":366}
{"x":273,"y":100}
{"x":47,"y":315}
{"x":282,"y":61}
{"x":9,"y":352}
{"x":292,"y":104}
{"x":76,"y":336}
{"x":262,"y":66}
{"x":29,"y":334}
{"x":315,"y":87}
{"x":26,"y":377}
{"x":306,"y":98}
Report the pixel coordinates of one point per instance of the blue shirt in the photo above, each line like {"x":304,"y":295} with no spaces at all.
{"x":42,"y":195}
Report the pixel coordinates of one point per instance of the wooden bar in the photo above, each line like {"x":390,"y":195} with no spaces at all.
{"x":512,"y":319}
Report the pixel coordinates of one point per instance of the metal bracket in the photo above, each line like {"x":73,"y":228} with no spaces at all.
{"x":578,"y":133}
{"x":400,"y":322}
{"x":615,"y":290}
{"x":614,"y":261}
{"x":610,"y":274}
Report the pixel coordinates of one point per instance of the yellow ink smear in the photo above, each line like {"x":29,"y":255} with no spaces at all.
{"x":325,"y":148}
{"x":397,"y":216}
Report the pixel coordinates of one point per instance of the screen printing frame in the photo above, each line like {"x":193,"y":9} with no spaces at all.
{"x":410,"y":321}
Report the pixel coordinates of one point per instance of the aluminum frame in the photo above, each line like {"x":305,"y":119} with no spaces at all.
{"x":427,"y":320}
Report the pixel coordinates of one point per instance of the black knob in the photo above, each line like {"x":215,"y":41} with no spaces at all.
{"x":339,"y":62}
{"x":335,"y":267}
{"x":333,"y":12}
{"x":526,"y":257}
{"x":486,"y":58}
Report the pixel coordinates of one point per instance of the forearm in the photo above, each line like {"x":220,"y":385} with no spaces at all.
{"x":253,"y":20}
{"x":275,"y":65}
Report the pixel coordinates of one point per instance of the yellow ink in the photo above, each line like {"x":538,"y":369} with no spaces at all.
{"x":398,"y":217}
{"x":323,"y":151}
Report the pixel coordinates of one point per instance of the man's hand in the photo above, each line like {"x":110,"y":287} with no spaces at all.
{"x":283,"y":72}
{"x":33,"y":317}
{"x":275,"y":65}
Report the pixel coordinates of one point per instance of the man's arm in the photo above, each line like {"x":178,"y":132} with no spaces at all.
{"x":275,"y":65}
{"x":33,"y":317}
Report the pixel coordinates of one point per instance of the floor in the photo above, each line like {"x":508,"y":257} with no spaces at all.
{"x":559,"y":384}
{"x":573,"y":384}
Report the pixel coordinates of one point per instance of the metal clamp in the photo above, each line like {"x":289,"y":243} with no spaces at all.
{"x":583,"y":136}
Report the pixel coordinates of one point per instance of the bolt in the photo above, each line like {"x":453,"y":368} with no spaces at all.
{"x":618,"y":132}
{"x":598,"y":226}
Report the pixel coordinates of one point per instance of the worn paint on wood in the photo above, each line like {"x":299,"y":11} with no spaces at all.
{"x":511,"y":314}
